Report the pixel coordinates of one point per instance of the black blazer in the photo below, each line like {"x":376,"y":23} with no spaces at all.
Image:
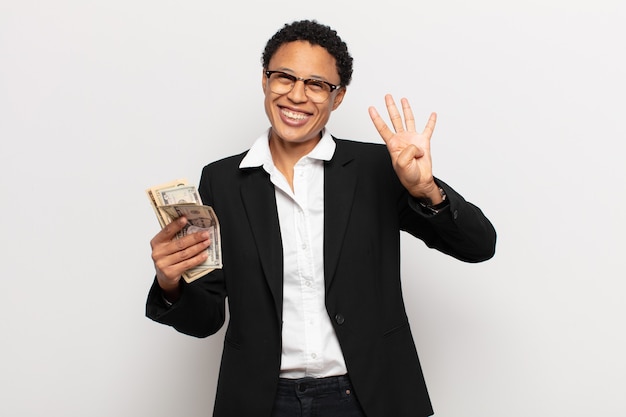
{"x":365,"y":208}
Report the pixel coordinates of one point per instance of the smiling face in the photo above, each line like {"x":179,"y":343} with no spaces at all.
{"x":297,"y":121}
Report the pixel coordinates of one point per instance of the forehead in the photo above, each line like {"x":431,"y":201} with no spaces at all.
{"x":305,"y":60}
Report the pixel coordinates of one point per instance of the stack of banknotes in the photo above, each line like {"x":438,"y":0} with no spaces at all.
{"x":177,"y":198}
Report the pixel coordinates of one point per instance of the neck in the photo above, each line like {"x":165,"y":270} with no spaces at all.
{"x":286,"y":155}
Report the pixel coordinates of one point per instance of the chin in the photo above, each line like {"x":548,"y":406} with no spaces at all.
{"x":291,"y":135}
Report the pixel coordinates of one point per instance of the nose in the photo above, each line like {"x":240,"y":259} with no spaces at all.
{"x":298,"y":92}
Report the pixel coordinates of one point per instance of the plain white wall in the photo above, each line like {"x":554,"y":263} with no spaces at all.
{"x":101,"y":99}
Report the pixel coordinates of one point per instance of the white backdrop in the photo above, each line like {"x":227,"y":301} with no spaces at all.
{"x":101,"y":99}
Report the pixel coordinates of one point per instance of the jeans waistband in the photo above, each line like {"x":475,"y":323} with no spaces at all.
{"x":315,"y":386}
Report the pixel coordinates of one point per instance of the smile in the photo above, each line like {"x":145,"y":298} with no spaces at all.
{"x":294,"y":115}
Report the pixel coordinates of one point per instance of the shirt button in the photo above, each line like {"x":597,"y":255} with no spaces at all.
{"x":314,"y":356}
{"x":339,"y":319}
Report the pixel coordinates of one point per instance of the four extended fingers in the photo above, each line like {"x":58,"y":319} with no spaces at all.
{"x":396,"y":120}
{"x":394,"y":115}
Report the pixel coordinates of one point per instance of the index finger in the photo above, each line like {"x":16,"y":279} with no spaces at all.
{"x":168,"y":232}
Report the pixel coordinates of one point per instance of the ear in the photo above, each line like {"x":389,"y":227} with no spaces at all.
{"x":339,"y":97}
{"x":263,"y":80}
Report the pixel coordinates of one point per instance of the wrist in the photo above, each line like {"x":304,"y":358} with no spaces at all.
{"x":434,"y":205}
{"x":170,"y":297}
{"x":430,"y":194}
{"x":169,"y":289}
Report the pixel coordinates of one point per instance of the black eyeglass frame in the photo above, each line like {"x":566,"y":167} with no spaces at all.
{"x":293,"y":78}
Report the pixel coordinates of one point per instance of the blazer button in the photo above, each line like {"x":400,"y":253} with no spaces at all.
{"x":339,"y":319}
{"x":455,"y":215}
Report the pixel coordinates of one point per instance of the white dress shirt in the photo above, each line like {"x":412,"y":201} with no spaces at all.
{"x":309,"y":343}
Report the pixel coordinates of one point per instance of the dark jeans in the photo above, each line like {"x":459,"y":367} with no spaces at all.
{"x":316,"y":397}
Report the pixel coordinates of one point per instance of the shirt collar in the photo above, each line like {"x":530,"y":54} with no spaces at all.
{"x":260,"y":155}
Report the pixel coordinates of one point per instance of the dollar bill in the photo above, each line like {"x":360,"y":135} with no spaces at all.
{"x":175,"y":199}
{"x":180,"y":194}
{"x":156,"y":200}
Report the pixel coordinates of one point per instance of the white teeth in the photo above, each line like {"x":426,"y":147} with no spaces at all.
{"x":294,"y":115}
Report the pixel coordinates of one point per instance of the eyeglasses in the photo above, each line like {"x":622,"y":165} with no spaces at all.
{"x":317,"y":91}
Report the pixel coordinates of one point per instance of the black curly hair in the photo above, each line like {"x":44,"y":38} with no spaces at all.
{"x":316,"y":34}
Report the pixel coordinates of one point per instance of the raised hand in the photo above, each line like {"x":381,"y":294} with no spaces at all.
{"x":409,"y":150}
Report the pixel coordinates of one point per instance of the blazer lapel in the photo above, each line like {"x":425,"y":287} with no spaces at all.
{"x":340,"y":178}
{"x":259,"y":200}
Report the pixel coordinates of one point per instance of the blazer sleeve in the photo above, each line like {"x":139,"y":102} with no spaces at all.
{"x":199,"y":312}
{"x":460,"y":230}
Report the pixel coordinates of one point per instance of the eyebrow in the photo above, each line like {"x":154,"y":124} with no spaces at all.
{"x":312,"y":76}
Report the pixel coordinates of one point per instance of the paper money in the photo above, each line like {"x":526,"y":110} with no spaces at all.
{"x":180,"y":194}
{"x":156,"y":199}
{"x":175,"y":199}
